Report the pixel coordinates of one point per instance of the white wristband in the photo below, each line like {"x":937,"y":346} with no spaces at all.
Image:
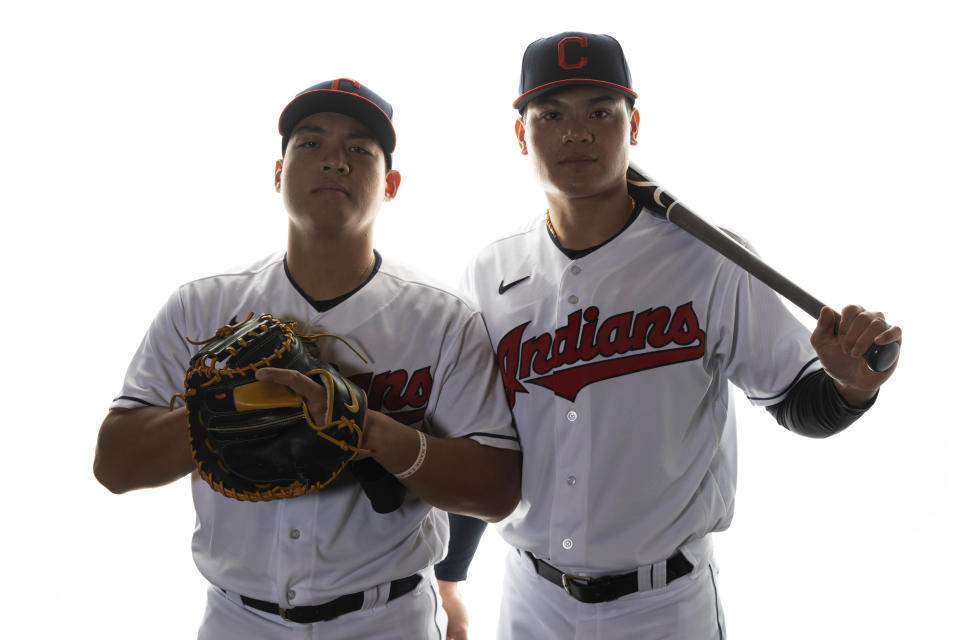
{"x":421,"y":456}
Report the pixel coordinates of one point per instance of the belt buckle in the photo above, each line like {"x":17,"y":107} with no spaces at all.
{"x":567,"y":578}
{"x":283,"y":614}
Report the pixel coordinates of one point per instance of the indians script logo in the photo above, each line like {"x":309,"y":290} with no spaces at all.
{"x":401,"y":395}
{"x":561,"y":362}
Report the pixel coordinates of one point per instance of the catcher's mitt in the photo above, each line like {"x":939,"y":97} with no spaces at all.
{"x":256,"y":440}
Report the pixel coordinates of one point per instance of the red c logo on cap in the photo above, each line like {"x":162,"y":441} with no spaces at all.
{"x":561,"y":57}
{"x":336,"y":85}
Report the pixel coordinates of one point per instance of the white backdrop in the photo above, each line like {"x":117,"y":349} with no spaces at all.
{"x":138,"y":149}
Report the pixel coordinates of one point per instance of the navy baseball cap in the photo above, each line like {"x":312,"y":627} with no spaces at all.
{"x":344,"y":96}
{"x":572,"y":58}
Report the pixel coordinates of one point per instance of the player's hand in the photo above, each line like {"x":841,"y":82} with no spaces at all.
{"x":312,"y":392}
{"x":455,"y":609}
{"x":842,"y":354}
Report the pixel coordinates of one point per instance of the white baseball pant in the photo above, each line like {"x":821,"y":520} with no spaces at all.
{"x":531,"y":608}
{"x":417,"y":614}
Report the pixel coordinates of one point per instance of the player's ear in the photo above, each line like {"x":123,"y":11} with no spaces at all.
{"x":521,"y":133}
{"x":277,"y":170}
{"x":393,"y":185}
{"x":634,"y":126}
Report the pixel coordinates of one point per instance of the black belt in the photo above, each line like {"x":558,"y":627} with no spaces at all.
{"x":605,"y":588}
{"x":330,"y":610}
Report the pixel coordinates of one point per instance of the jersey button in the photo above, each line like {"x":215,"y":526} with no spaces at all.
{"x":575,"y":270}
{"x":295,"y":533}
{"x":571,"y":480}
{"x":573,"y":299}
{"x":567,"y":543}
{"x":571,"y":416}
{"x":291,"y":594}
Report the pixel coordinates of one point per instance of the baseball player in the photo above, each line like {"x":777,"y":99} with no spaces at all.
{"x":617,"y":333}
{"x":326,"y":564}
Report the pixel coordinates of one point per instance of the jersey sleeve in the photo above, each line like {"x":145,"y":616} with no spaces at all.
{"x":763,"y":348}
{"x":471,"y":402}
{"x":157,"y":370}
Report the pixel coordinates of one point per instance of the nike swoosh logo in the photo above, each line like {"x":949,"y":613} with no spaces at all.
{"x":506,"y":287}
{"x":354,"y":404}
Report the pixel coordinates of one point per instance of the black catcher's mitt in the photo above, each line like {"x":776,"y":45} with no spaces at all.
{"x":255,"y":440}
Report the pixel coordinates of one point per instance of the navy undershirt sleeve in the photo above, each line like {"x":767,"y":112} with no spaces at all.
{"x":465,"y":534}
{"x":814,"y":408}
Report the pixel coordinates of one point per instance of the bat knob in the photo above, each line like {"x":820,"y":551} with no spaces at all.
{"x":880,"y":358}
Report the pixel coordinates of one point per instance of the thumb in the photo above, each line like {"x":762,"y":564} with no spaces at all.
{"x":824,"y":331}
{"x":826,"y":320}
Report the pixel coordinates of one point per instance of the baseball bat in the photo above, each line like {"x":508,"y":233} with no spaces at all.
{"x":878,"y":357}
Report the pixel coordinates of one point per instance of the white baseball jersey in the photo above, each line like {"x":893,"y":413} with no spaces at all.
{"x":616,"y":365}
{"x":429,"y":366}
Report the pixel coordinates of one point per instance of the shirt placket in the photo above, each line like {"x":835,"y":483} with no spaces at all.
{"x":572,"y":424}
{"x":294,"y":533}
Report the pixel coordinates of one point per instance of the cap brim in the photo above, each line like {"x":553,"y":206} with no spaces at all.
{"x":349,"y":104}
{"x":524,"y":100}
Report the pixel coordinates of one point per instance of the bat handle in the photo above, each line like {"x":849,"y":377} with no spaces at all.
{"x":881,"y":357}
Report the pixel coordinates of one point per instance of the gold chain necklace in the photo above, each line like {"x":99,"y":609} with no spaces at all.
{"x":553,"y":232}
